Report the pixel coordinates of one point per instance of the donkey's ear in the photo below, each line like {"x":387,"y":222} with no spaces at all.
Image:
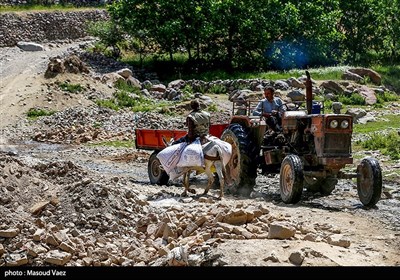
{"x":166,"y":143}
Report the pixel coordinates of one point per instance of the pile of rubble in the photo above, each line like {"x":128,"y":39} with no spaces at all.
{"x":57,"y":213}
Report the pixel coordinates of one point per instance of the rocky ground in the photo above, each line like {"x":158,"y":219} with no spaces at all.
{"x":66,"y":202}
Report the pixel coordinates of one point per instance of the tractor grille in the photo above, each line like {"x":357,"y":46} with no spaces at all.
{"x":336,"y":143}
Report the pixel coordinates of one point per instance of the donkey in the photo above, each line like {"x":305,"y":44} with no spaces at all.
{"x":217,"y":154}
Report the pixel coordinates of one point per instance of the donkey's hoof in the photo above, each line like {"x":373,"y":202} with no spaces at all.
{"x":184,"y":194}
{"x":205,"y":192}
{"x":193,"y":191}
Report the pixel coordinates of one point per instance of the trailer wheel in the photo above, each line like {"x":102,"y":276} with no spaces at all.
{"x":242,"y":167}
{"x":369,"y":181}
{"x":156,"y":174}
{"x":291,"y":179}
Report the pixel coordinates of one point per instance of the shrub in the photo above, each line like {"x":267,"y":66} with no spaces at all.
{"x":354,"y":99}
{"x":37,"y":112}
{"x":73,"y":88}
{"x":109,"y":33}
{"x":217,"y":89}
{"x":124,"y":86}
{"x":388,"y":144}
{"x":386,"y":96}
{"x":212,"y":108}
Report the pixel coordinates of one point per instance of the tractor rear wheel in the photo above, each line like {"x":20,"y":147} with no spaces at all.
{"x":242,"y":167}
{"x":291,"y":179}
{"x":156,"y":174}
{"x":369,"y":181}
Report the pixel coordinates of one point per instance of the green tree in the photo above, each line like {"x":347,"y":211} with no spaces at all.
{"x":390,"y":31}
{"x":109,"y":33}
{"x":307,"y":34}
{"x":264,"y":34}
{"x":360,"y":23}
{"x":137,"y":18}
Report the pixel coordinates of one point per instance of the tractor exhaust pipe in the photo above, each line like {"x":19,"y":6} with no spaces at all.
{"x":308,"y":93}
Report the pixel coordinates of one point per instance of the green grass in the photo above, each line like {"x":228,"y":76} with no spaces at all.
{"x":72,"y":88}
{"x":382,"y":123}
{"x":354,"y":99}
{"x":34,"y":113}
{"x":382,"y":136}
{"x":392,"y":174}
{"x":387,"y":143}
{"x":390,"y":76}
{"x":130,"y":97}
{"x":161,"y":64}
{"x":327,"y":73}
{"x":115,"y":143}
{"x":212,"y":108}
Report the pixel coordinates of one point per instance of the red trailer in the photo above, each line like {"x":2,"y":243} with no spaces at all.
{"x":151,"y":139}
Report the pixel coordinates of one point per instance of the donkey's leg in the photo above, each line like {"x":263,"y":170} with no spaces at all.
{"x":185,"y":182}
{"x":219,"y":167}
{"x":208,"y":164}
{"x":186,"y":177}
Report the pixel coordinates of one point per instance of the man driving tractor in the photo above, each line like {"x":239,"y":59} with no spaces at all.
{"x":270,"y":107}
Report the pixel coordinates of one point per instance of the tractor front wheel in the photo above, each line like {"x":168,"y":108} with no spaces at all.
{"x":369,"y":181}
{"x":291,"y":179}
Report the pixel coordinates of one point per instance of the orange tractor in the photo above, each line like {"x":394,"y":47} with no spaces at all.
{"x":309,"y":151}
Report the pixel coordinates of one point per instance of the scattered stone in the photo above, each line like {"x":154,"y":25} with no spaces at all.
{"x":281,"y":230}
{"x":57,"y":257}
{"x":9,"y":233}
{"x":39,"y":233}
{"x":272,"y":257}
{"x":296,"y":257}
{"x":38,"y":207}
{"x":67,"y":247}
{"x":178,"y":257}
{"x":16,"y":259}
{"x":30,"y":46}
{"x":338,"y":240}
{"x":235,"y":217}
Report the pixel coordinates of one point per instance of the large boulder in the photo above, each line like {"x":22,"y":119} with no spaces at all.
{"x":368,"y":94}
{"x":30,"y":46}
{"x":73,"y":64}
{"x":332,"y":86}
{"x":373,"y":75}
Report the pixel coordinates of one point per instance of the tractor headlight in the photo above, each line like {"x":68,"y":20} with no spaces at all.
{"x":344,"y":124}
{"x":333,"y":124}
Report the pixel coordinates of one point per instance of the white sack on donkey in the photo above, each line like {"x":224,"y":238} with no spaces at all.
{"x":192,"y":155}
{"x":226,"y":148}
{"x":170,"y":156}
{"x":216,"y":153}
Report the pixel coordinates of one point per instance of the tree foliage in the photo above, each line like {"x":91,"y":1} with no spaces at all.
{"x":264,"y":34}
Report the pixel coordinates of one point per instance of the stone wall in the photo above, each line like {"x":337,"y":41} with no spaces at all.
{"x":76,"y":3}
{"x":43,"y":27}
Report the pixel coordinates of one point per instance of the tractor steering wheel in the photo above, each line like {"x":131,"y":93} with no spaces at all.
{"x":287,"y":108}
